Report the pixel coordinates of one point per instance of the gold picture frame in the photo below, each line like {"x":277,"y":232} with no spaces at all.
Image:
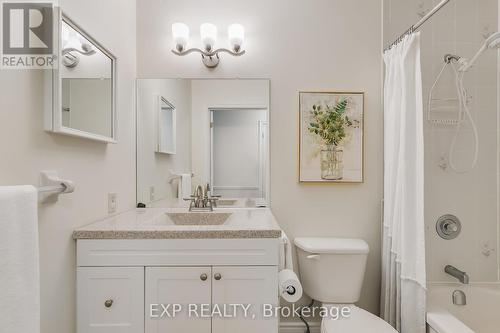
{"x":331,"y":137}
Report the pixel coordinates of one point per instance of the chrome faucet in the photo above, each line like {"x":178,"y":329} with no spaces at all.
{"x":199,"y":197}
{"x":456,"y":273}
{"x":201,"y":200}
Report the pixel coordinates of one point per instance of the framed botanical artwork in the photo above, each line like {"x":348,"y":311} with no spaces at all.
{"x":331,"y":137}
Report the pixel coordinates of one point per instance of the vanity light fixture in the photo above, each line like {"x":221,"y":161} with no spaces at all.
{"x":208,"y":34}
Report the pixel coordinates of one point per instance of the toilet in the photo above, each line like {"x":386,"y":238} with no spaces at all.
{"x":332,"y":272}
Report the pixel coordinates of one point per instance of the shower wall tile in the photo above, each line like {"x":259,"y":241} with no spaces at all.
{"x":466,"y":8}
{"x":386,"y":21}
{"x":443,"y":30}
{"x":486,"y":113}
{"x":488,"y":13}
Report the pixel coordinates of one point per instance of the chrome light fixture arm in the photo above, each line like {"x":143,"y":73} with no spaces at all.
{"x":70,"y":59}
{"x":210,"y":58}
{"x":208,"y":53}
{"x":72,"y":49}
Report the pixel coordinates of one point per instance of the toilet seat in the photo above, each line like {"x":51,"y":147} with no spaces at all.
{"x":360,"y":321}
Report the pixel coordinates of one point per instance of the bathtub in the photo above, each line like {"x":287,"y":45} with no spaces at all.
{"x":481,"y":314}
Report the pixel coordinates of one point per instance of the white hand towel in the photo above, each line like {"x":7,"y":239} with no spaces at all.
{"x":19,"y":264}
{"x":185,"y":186}
{"x":285,"y":252}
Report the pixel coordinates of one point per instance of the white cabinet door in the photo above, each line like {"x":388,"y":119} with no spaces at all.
{"x":110,"y":299}
{"x":169,"y":286}
{"x":254,"y":285}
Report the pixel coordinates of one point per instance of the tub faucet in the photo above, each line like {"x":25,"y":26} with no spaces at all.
{"x":456,"y":273}
{"x":459,"y":298}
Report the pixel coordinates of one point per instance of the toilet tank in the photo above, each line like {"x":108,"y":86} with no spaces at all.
{"x":332,"y":269}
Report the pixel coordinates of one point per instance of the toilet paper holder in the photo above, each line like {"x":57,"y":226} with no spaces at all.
{"x":290,"y":290}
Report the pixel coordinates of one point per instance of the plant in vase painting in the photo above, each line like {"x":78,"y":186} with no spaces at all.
{"x":329,"y":125}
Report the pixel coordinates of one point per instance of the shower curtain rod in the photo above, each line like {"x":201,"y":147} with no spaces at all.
{"x":414,"y":27}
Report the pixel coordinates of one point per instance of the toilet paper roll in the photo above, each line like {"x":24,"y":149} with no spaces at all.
{"x":289,"y":286}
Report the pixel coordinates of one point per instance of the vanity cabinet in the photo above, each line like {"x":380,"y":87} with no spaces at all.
{"x":110,"y":299}
{"x":119,"y":282}
{"x":222,"y":288}
{"x":254,"y":286}
{"x":182,"y":286}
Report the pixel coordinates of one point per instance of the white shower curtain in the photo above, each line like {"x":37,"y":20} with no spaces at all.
{"x":403,"y":262}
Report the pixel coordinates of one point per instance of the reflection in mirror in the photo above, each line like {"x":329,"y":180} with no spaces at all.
{"x":238,"y":154}
{"x":166,"y":126}
{"x":86,"y":72}
{"x":218,"y":130}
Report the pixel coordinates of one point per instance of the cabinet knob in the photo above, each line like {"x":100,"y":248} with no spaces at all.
{"x":108,"y":303}
{"x":203,"y":277}
{"x":217,"y":276}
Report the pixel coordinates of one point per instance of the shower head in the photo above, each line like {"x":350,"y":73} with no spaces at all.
{"x":492,"y":42}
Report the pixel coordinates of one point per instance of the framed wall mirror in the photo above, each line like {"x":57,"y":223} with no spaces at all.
{"x":81,"y":87}
{"x":220,"y":131}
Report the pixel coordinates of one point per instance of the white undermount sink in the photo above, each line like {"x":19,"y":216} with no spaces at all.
{"x":199,"y":218}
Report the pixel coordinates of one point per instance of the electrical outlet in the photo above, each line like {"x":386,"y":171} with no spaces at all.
{"x":112,"y":203}
{"x":151,"y":193}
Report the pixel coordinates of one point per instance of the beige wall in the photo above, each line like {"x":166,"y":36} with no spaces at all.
{"x":298,"y":45}
{"x":96,"y":168}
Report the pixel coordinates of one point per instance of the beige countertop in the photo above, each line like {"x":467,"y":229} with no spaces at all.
{"x":154,"y":223}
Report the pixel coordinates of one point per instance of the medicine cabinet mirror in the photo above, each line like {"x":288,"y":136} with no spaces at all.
{"x":166,"y":126}
{"x":81,"y":87}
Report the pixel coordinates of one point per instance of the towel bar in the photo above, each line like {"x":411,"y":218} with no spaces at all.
{"x":55,"y":189}
{"x":51,"y":186}
{"x":176,"y":176}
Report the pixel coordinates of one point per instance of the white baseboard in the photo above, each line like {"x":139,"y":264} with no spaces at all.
{"x":299,"y":327}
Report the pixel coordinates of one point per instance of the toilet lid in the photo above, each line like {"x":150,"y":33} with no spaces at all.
{"x":360,"y":321}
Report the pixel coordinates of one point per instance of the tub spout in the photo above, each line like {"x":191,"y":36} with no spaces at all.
{"x":459,"y":298}
{"x":456,"y":273}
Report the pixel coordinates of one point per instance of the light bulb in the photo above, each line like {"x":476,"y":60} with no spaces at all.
{"x":73,"y":41}
{"x":208,"y":33}
{"x":180,"y":33}
{"x":70,"y":38}
{"x":236,"y":35}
